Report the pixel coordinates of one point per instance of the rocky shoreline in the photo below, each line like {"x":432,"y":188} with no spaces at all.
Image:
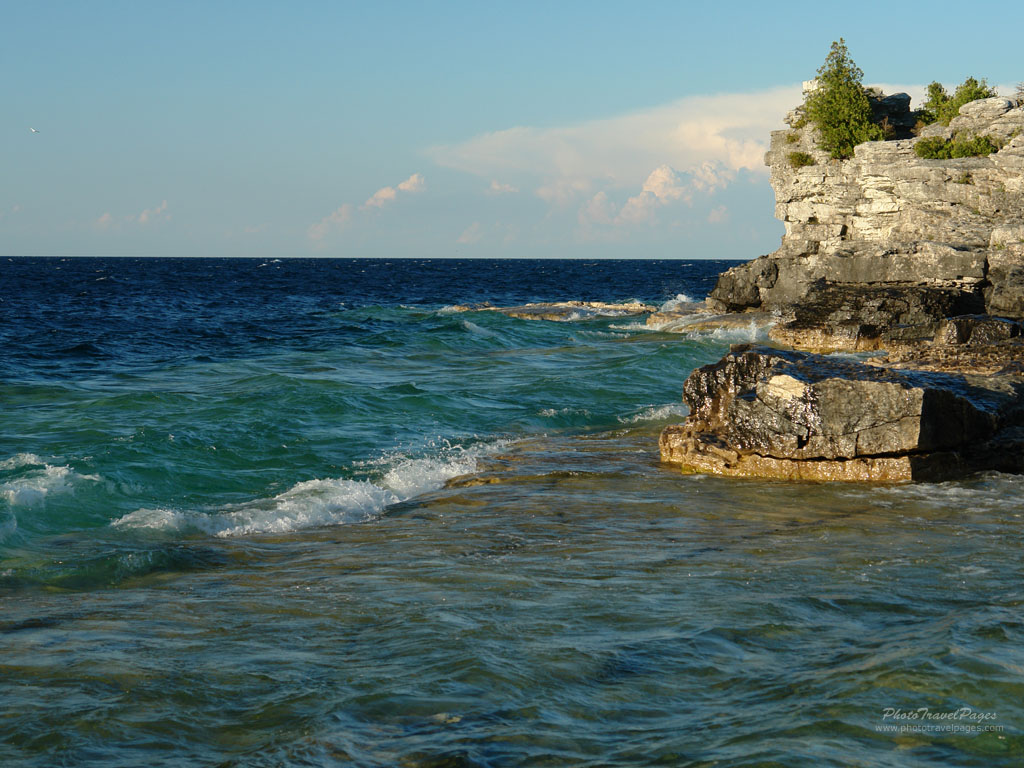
{"x":916,"y":263}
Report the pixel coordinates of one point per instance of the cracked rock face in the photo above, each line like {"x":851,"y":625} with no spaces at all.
{"x":887,"y":218}
{"x":771,"y":413}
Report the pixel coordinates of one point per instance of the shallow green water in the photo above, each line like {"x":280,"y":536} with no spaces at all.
{"x":586,"y":607}
{"x":398,"y":535}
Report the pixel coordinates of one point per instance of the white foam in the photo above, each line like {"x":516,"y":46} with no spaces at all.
{"x":694,"y":326}
{"x":567,"y":411}
{"x":414,"y":477}
{"x":637,"y":326}
{"x":679,"y":301}
{"x":589,"y":313}
{"x":754,"y":331}
{"x":33,"y":487}
{"x":307,"y":504}
{"x":990,"y":493}
{"x":22,"y":460}
{"x":656,"y":413}
{"x":318,"y":503}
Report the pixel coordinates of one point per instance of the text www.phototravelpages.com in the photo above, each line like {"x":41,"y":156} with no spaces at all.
{"x":925,"y":720}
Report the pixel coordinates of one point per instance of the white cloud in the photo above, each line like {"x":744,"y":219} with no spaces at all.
{"x":345,"y":214}
{"x":498,"y":188}
{"x":332,"y":222}
{"x":663,"y":187}
{"x":718,"y":215}
{"x":562,"y":191}
{"x":385,"y":195}
{"x":598,"y":210}
{"x":380,"y":197}
{"x":472,"y":234}
{"x":663,"y":184}
{"x":726,"y":130}
{"x":154,"y":214}
{"x":414,"y":183}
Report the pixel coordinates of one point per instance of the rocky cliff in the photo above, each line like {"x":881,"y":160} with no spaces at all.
{"x":919,"y":239}
{"x":920,"y":260}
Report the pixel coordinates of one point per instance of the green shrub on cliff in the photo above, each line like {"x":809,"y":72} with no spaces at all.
{"x":839,"y":105}
{"x":941,"y":107}
{"x":938,"y":148}
{"x":800,"y":159}
{"x":932,"y":148}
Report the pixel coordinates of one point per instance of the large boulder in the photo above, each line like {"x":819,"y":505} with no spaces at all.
{"x":765,"y":412}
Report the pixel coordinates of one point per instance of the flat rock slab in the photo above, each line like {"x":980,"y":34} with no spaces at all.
{"x":763,"y":412}
{"x":564,"y":311}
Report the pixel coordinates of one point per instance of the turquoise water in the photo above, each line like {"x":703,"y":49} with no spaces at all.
{"x":321,"y":518}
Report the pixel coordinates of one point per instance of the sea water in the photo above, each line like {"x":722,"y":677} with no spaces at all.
{"x":315,"y":512}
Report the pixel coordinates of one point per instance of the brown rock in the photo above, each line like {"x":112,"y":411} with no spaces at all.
{"x":771,"y":413}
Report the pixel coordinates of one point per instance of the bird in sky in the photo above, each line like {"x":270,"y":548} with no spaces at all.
{"x":33,"y":130}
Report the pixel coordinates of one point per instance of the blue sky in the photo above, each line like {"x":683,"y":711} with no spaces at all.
{"x":573,"y":129}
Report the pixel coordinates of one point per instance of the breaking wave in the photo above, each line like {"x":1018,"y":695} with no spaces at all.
{"x":656,"y":413}
{"x":31,"y":480}
{"x":681,"y":301}
{"x":320,"y":502}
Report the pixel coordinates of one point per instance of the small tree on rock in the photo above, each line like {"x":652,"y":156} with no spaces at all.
{"x":937,"y":97}
{"x":839,"y":106}
{"x":941,"y":107}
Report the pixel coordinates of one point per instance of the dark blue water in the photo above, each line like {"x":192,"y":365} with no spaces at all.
{"x":312,"y":512}
{"x":67,"y":316}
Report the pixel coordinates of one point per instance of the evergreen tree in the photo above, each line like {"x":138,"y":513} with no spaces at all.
{"x":941,"y":107}
{"x":839,"y":105}
{"x":938,"y":97}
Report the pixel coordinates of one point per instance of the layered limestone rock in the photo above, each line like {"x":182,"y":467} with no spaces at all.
{"x":764,"y":412}
{"x":931,"y":238}
{"x":921,"y":261}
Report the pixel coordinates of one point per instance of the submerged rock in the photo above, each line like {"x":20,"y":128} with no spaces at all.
{"x":763,"y":412}
{"x":562,"y":311}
